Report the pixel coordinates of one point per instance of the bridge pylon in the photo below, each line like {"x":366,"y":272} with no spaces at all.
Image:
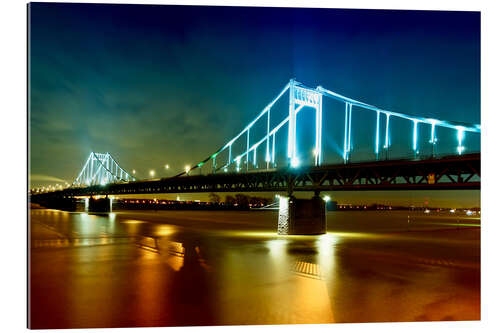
{"x":101,"y":169}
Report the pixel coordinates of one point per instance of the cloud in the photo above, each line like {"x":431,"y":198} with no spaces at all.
{"x":46,"y":178}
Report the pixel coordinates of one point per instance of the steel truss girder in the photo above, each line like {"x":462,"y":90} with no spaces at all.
{"x":451,"y":173}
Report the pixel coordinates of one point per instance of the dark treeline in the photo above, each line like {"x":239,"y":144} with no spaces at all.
{"x":230,"y":202}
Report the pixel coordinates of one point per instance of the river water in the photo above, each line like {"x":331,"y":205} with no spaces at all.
{"x":172,"y":268}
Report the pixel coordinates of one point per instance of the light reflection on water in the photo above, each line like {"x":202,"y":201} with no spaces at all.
{"x":149,"y":273}
{"x":326,"y":256}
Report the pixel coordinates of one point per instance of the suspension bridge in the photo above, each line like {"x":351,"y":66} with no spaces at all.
{"x":235,"y":166}
{"x":101,"y":169}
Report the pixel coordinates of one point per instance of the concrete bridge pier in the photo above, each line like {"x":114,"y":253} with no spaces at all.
{"x":302,"y":216}
{"x":102,"y":205}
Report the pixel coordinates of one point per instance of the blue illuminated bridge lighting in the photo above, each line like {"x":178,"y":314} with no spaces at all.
{"x":101,"y":169}
{"x":258,"y":138}
{"x":300,"y":97}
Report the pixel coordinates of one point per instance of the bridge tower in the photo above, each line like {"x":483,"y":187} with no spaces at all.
{"x":302,"y":216}
{"x":299,"y":97}
{"x":101,"y":169}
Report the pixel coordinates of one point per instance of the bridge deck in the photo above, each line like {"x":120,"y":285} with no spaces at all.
{"x":456,"y":172}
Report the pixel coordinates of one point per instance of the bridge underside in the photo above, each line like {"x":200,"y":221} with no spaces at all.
{"x":453,"y":173}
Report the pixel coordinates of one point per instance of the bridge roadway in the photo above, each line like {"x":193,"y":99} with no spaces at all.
{"x":447,"y":173}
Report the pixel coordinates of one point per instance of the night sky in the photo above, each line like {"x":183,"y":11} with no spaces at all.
{"x":171,"y":84}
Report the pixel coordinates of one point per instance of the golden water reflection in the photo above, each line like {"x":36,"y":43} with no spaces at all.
{"x":115,"y":271}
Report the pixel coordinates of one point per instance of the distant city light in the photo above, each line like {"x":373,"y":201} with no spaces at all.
{"x":187,"y":169}
{"x":167,"y":166}
{"x":326,"y":198}
{"x":152,"y":173}
{"x":133,"y":171}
